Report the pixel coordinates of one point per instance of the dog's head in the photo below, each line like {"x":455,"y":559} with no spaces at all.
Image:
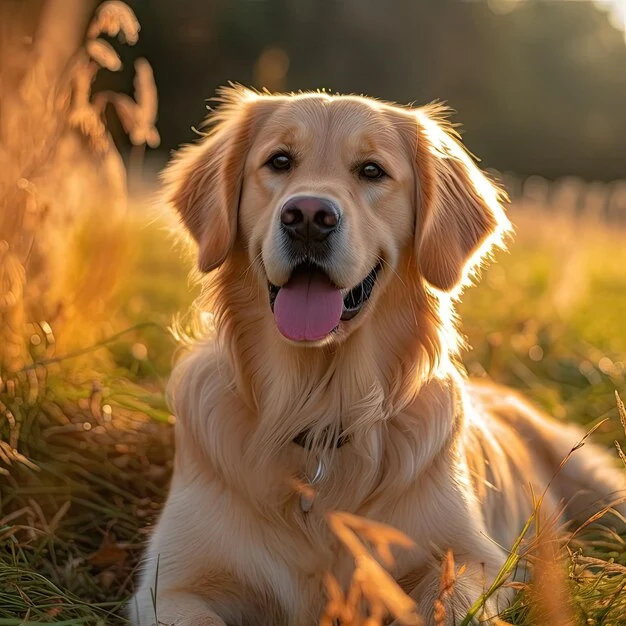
{"x":328,"y":194}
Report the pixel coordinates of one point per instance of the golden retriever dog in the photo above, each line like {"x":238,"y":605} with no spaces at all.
{"x":337,"y":231}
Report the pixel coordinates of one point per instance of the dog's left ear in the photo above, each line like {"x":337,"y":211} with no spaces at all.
{"x":460,"y":216}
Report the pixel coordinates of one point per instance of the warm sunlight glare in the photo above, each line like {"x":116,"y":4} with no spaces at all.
{"x":615,"y":8}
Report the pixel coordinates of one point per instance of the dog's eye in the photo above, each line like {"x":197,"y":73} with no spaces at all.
{"x":372,"y":171}
{"x":280,"y":161}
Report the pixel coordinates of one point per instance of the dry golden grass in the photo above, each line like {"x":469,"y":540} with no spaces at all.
{"x":549,"y":593}
{"x":371,"y":584}
{"x":550,"y":599}
{"x":622,"y":417}
{"x":62,"y":182}
{"x":85,"y":452}
{"x":103,"y":464}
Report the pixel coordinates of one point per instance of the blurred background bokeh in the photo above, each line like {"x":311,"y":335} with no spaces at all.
{"x":539,"y":86}
{"x":95,"y":95}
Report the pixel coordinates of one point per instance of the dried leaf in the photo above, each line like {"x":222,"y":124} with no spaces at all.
{"x":109,"y":553}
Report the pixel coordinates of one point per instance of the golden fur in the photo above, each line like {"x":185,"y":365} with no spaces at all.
{"x":449,"y":462}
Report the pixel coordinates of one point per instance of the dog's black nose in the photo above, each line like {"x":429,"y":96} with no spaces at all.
{"x":308,"y":218}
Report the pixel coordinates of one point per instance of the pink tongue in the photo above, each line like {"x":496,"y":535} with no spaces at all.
{"x":308,"y":307}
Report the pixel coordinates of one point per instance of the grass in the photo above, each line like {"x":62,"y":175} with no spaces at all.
{"x":548,"y":319}
{"x":87,"y":450}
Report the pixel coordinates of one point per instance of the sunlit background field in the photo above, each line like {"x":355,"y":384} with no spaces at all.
{"x":93,"y":281}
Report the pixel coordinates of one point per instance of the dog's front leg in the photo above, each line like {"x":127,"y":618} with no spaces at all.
{"x":173,"y":608}
{"x":451,"y":608}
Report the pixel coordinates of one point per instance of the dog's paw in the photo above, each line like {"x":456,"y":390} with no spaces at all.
{"x":452,"y":609}
{"x":452,"y":613}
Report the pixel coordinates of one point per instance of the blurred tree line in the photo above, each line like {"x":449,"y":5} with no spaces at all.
{"x":538,"y":86}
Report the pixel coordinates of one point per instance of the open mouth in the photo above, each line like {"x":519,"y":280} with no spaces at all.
{"x":354,"y":300}
{"x":309,"y":306}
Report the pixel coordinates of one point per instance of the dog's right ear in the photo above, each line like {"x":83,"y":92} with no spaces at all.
{"x":203,"y":181}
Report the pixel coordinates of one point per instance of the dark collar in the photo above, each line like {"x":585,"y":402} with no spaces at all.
{"x":303,"y":439}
